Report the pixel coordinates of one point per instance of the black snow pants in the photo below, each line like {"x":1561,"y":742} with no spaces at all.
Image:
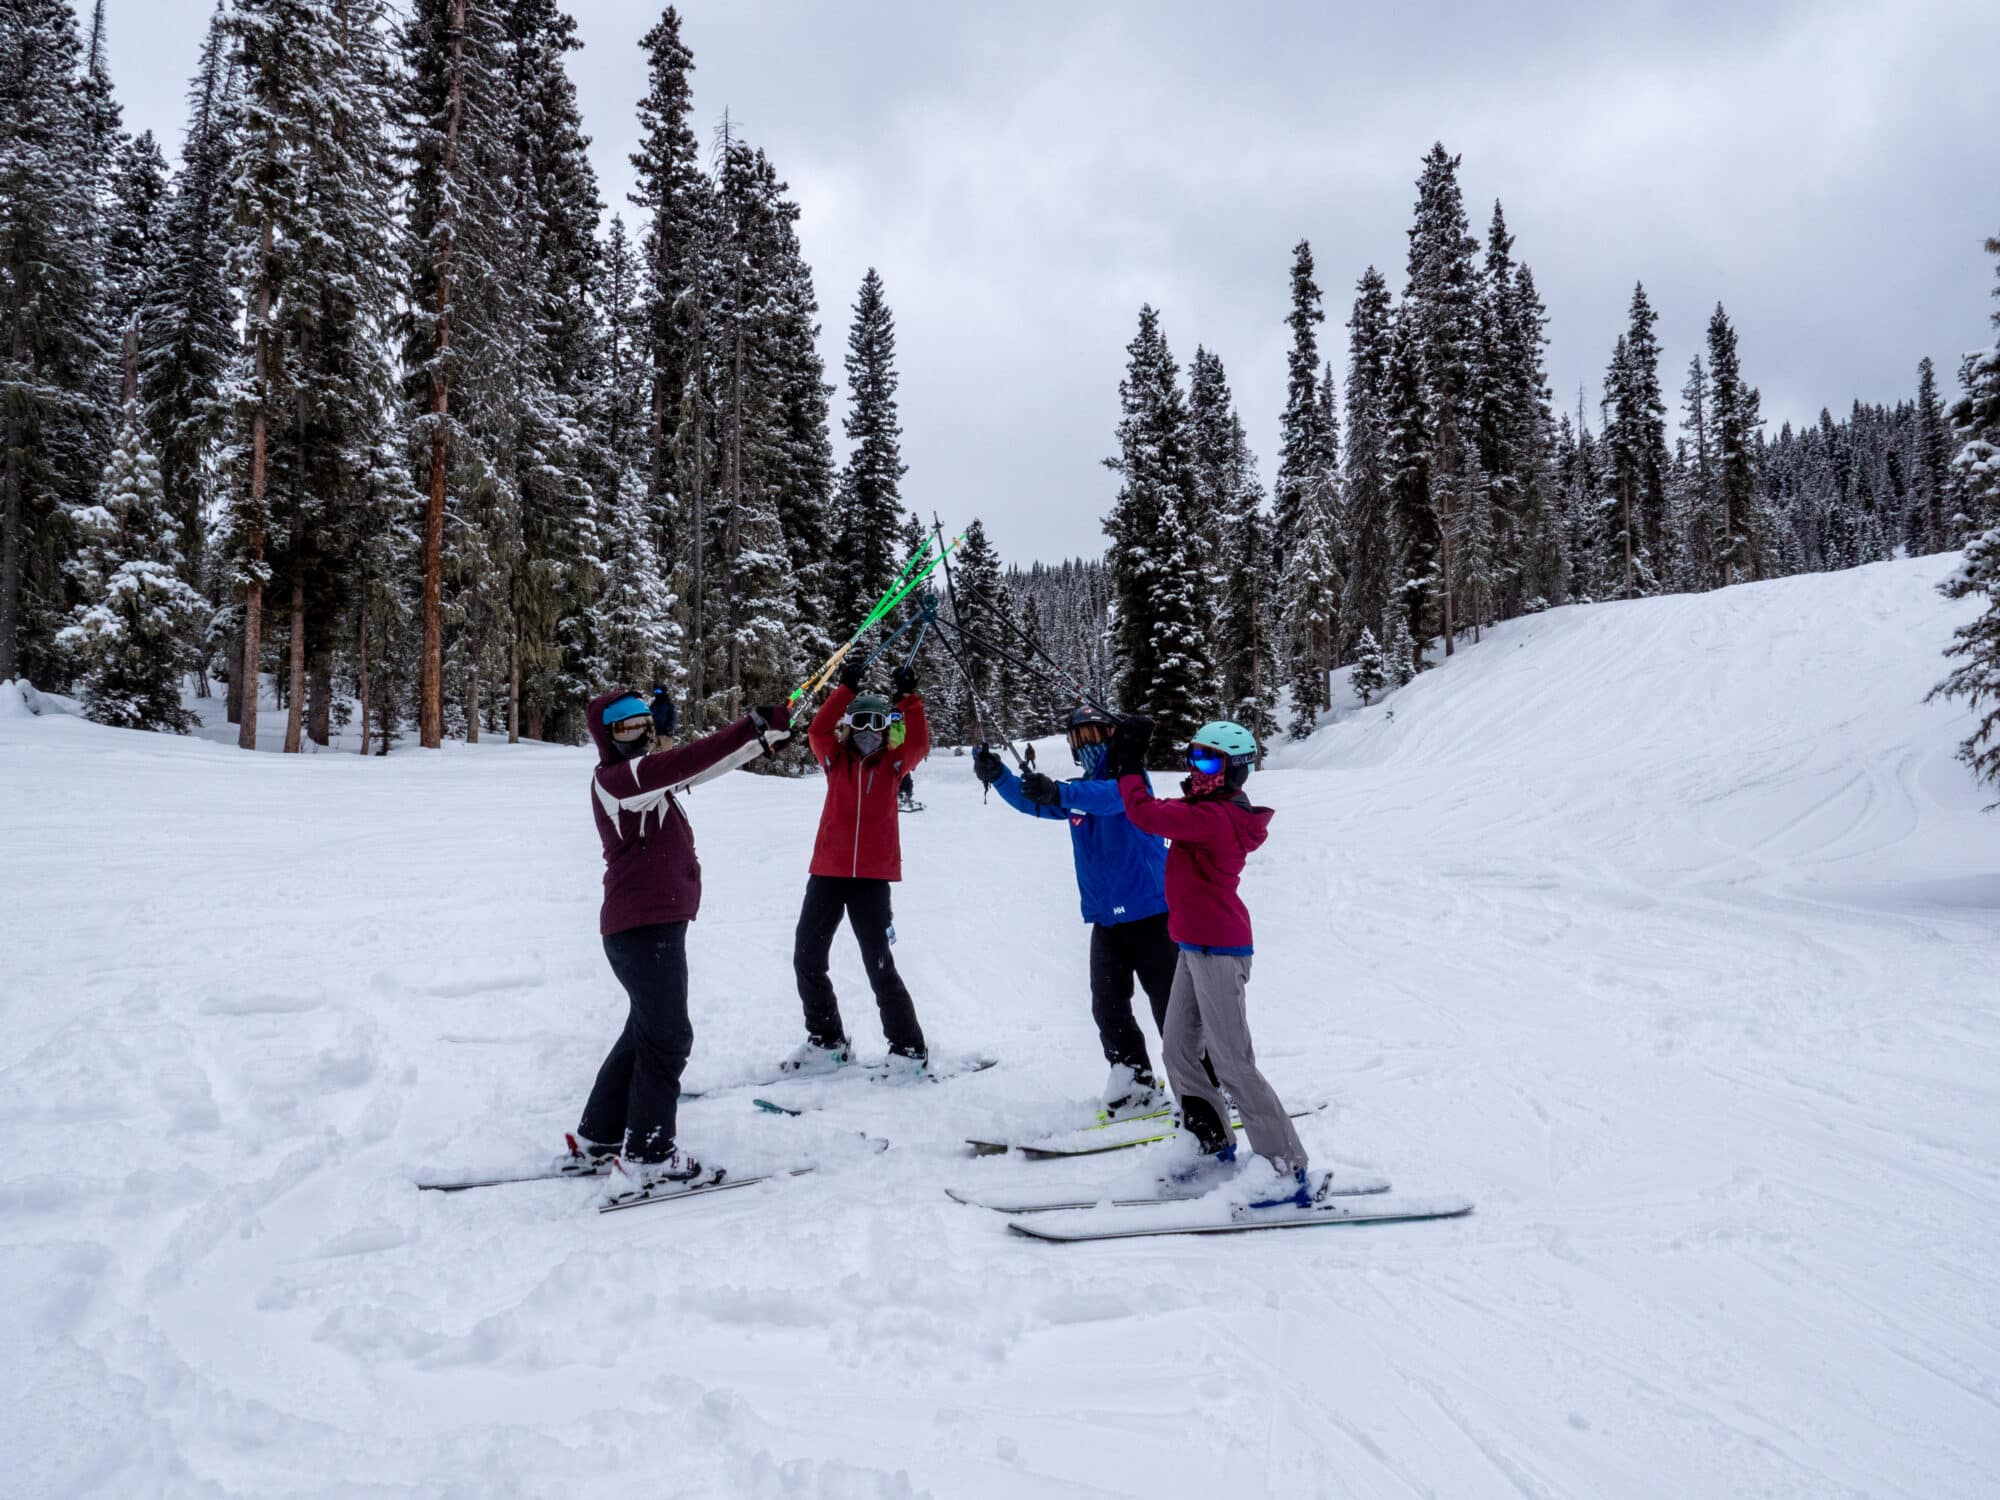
{"x":1138,"y":950}
{"x":865,"y":904}
{"x":639,"y":1084}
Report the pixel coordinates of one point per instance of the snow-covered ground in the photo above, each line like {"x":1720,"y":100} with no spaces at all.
{"x":1669,"y":932}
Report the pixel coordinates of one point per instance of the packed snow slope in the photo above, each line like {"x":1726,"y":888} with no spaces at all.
{"x":1669,"y":932}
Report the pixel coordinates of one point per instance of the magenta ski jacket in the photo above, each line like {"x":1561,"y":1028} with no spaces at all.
{"x":651,"y":873}
{"x":1212,"y":839}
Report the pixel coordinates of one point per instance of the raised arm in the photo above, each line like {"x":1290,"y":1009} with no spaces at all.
{"x":665,"y":768}
{"x":916,"y":730}
{"x":821,"y":735}
{"x":1183,"y":822}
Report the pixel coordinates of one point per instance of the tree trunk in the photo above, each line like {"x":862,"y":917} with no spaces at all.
{"x":535,"y":722}
{"x":295,"y":709}
{"x":10,"y":542}
{"x":1450,"y":588}
{"x":253,"y":593}
{"x":319,"y":695}
{"x":430,"y":711}
{"x":472,"y":705}
{"x":514,"y":690}
{"x":234,"y":695}
{"x":361,"y":645}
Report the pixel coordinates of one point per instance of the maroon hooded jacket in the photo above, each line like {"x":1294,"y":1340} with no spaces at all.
{"x":1213,"y":838}
{"x":650,"y":870}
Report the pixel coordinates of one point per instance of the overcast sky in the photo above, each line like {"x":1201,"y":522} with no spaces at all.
{"x":1024,"y":176}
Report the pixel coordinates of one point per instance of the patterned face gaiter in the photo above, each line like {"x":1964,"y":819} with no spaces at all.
{"x":866,"y":742}
{"x":1205,"y":783}
{"x":1091,"y":758}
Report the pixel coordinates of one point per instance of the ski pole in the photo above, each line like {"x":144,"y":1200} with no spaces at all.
{"x":893,"y":596}
{"x":1083,"y":694}
{"x":965,"y":666}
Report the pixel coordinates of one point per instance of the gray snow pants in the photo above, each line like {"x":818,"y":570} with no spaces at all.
{"x":1207,"y":1012}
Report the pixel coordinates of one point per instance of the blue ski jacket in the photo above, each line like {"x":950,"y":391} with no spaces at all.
{"x":1121,"y":873}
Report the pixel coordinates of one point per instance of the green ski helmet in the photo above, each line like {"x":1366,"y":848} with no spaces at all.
{"x":1232,"y":743}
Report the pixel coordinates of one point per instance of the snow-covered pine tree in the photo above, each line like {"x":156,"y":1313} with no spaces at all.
{"x":457,"y":131}
{"x":1477,"y":548}
{"x":188,"y":339}
{"x":1160,"y":624}
{"x":1734,"y":417}
{"x":806,"y":477}
{"x":52,"y":347}
{"x":633,"y":634}
{"x":1441,"y":305}
{"x":676,"y":195}
{"x":1364,"y":600}
{"x":1401,"y":666}
{"x":1416,"y":589}
{"x":1635,"y":447}
{"x":869,"y":506}
{"x":558,"y":208}
{"x":128,"y":635}
{"x":1214,"y":441}
{"x":134,"y":232}
{"x":1242,"y":574}
{"x":1698,"y":520}
{"x":1932,"y":478}
{"x":1315,"y":571}
{"x":1976,"y":421}
{"x":1370,"y":674}
{"x":1542,"y":563}
{"x":1299,"y":446}
{"x":975,"y":581}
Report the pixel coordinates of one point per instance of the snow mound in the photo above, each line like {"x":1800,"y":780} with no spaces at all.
{"x":1667,"y":932}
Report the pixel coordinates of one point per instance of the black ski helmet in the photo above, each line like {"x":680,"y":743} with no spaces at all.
{"x":1085,"y":715}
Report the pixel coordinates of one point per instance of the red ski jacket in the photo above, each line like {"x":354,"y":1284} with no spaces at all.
{"x":1212,"y":841}
{"x":650,"y":870}
{"x":858,"y":835}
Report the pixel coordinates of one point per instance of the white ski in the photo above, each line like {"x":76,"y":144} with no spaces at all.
{"x":1050,"y":1202}
{"x":1079,"y":1225}
{"x":716,"y":1182}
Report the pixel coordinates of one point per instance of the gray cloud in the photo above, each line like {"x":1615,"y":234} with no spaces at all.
{"x":1025,"y":177}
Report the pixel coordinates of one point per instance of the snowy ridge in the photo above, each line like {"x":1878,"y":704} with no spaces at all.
{"x":1664,"y":931}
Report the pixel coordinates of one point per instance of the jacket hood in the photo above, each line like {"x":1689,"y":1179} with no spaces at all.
{"x":600,"y":732}
{"x":1252,"y":823}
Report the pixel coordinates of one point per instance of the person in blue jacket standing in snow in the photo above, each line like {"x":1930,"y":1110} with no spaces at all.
{"x":1121,"y":876}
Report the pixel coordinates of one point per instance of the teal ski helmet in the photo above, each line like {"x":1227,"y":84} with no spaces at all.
{"x":1236,"y":746}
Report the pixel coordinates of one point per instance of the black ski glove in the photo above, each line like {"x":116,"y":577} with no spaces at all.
{"x":852,"y":673}
{"x":1042,"y":791}
{"x":905,"y":680}
{"x":986,"y":766}
{"x":1129,"y":744}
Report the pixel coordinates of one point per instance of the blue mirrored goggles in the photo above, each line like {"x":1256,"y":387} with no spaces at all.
{"x":868,"y":718}
{"x":1208,"y":762}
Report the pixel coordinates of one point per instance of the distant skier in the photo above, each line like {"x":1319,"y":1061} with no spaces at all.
{"x":1214,"y":829}
{"x":866,"y":745}
{"x":1120,"y":876}
{"x":652,"y":890}
{"x":1028,"y":755}
{"x":906,"y":794}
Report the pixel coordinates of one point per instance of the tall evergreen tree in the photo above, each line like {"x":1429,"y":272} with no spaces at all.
{"x":188,"y":326}
{"x":1416,"y":589}
{"x":870,"y":505}
{"x":1734,"y":416}
{"x":1161,"y":629}
{"x":129,"y":632}
{"x":1299,"y":444}
{"x":1976,"y":418}
{"x":1933,"y":466}
{"x":52,"y":346}
{"x":1365,"y":598}
{"x":1441,"y":305}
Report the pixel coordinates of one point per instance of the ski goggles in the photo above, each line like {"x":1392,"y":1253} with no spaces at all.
{"x":1091,"y":734}
{"x":1205,"y":760}
{"x":870,"y":718}
{"x":627,"y":730}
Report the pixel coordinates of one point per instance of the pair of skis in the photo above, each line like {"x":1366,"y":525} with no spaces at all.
{"x":715,"y":1181}
{"x":1105,"y":1136}
{"x":1072,"y":1217}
